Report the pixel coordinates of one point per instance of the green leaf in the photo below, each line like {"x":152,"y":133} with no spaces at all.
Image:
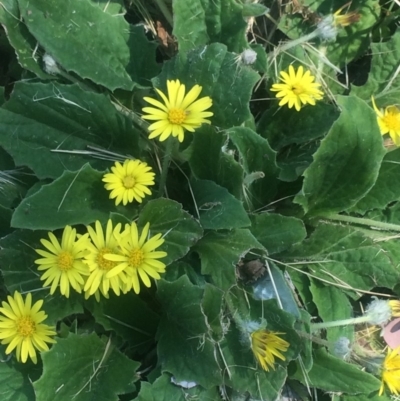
{"x":63,"y":118}
{"x":257,"y":157}
{"x":326,"y":296}
{"x":220,"y":167}
{"x":184,"y":346}
{"x":14,"y":386}
{"x":254,"y":10}
{"x":276,"y":232}
{"x":332,"y":374}
{"x":220,"y":251}
{"x":343,"y":255}
{"x":129,"y":316}
{"x":96,"y":370}
{"x":180,"y":230}
{"x":91,"y":43}
{"x":163,"y":390}
{"x":215,"y":69}
{"x":213,"y":308}
{"x":367,"y":397}
{"x":19,"y":37}
{"x":284,"y":127}
{"x":200,"y":22}
{"x":218,"y":209}
{"x":387,"y":185}
{"x":75,"y":198}
{"x":347,"y":163}
{"x":382,"y":75}
{"x":20,"y":274}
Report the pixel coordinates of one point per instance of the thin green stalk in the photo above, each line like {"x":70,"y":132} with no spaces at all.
{"x":293,"y":43}
{"x":165,"y":10}
{"x":165,"y":165}
{"x":336,"y":323}
{"x":361,"y":221}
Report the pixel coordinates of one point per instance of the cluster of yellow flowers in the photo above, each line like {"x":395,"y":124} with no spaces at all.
{"x":97,"y":261}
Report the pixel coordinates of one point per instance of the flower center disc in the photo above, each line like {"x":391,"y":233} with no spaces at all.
{"x":176,"y":116}
{"x":136,"y":258}
{"x":26,"y":326}
{"x":298,"y":89}
{"x":129,"y":182}
{"x":65,"y":261}
{"x":103,"y":263}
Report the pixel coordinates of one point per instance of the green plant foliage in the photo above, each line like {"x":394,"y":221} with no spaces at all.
{"x":218,"y":209}
{"x":83,"y":359}
{"x":35,"y":138}
{"x":163,"y":390}
{"x":129,"y":317}
{"x":345,"y":255}
{"x":203,"y":21}
{"x":20,"y":38}
{"x":14,"y":385}
{"x":325,"y":297}
{"x":252,"y":212}
{"x":385,"y":189}
{"x":276,"y":232}
{"x":382,"y":79}
{"x":72,"y":199}
{"x":221,"y":167}
{"x":259,"y":165}
{"x":126,"y":56}
{"x":351,"y":41}
{"x":330,"y":373}
{"x":329,"y":181}
{"x":220,"y":251}
{"x":183,"y":329}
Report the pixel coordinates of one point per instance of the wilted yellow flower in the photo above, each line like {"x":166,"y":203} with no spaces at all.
{"x":102,"y":244}
{"x":345,"y":19}
{"x":129,"y":181}
{"x":266,"y":345}
{"x":298,"y":88}
{"x":179,"y":112}
{"x":388,"y":121}
{"x":21,"y":327}
{"x":63,"y":263}
{"x":391,"y":372}
{"x":138,"y":258}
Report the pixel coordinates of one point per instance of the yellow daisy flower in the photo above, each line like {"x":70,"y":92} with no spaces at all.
{"x":297,"y":88}
{"x":138,"y":258}
{"x":388,"y":121}
{"x":266,"y":345}
{"x":63,"y":262}
{"x":129,"y":181}
{"x":21,"y":327}
{"x":391,"y":372}
{"x":179,"y":112}
{"x":97,"y":282}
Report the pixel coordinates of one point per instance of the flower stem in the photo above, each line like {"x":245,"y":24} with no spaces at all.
{"x":165,"y":165}
{"x":336,"y":323}
{"x":362,"y":221}
{"x":295,"y":42}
